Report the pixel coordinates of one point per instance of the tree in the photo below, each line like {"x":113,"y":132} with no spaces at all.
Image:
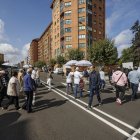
{"x":60,"y":60}
{"x":40,"y":64}
{"x":136,"y":42}
{"x":103,"y":52}
{"x":127,"y":55}
{"x":75,"y":54}
{"x":52,"y":62}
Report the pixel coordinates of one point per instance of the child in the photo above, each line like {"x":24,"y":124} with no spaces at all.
{"x":81,"y":87}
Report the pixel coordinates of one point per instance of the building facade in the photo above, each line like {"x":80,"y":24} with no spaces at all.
{"x":1,"y":57}
{"x":77,"y":24}
{"x":45,"y":45}
{"x":33,"y":51}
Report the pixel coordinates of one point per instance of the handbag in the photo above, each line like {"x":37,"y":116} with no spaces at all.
{"x":115,"y":83}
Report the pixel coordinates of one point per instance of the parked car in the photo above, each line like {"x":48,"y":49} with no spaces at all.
{"x":58,"y":71}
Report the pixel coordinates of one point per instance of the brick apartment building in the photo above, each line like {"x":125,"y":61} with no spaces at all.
{"x":75,"y":24}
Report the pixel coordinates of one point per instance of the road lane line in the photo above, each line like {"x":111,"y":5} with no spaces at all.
{"x":134,"y":134}
{"x":95,"y":115}
{"x":104,"y":113}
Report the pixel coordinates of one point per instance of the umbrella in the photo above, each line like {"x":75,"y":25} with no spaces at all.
{"x":8,"y":64}
{"x":84,"y":63}
{"x":27,"y":66}
{"x":71,"y":63}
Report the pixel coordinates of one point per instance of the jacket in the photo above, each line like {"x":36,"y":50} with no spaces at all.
{"x":94,"y":79}
{"x":123,"y":79}
{"x":28,"y":83}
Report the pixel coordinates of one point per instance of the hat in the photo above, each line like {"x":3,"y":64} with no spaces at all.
{"x":77,"y":68}
{"x":135,"y":67}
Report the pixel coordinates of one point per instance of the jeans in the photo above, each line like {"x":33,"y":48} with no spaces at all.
{"x":120,"y":91}
{"x":67,"y":88}
{"x":102,"y":84}
{"x":134,"y":90}
{"x":28,"y":103}
{"x":93,"y":91}
{"x":76,"y":89}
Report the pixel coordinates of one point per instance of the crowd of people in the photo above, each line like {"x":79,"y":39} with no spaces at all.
{"x":22,"y":83}
{"x":26,"y":82}
{"x":118,"y":78}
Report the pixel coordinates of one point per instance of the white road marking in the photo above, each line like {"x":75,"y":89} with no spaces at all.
{"x":95,"y":115}
{"x":134,"y":134}
{"x":102,"y":112}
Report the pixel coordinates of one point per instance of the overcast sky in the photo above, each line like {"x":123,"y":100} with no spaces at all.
{"x":23,"y":20}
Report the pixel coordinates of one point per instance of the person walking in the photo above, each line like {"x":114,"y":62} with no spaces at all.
{"x":94,"y":81}
{"x":77,"y":77}
{"x":28,"y":90}
{"x":69,"y":75}
{"x":13,"y":92}
{"x":20,"y":79}
{"x":102,"y":81}
{"x":4,"y":79}
{"x":134,"y":78}
{"x":119,"y":80}
{"x":49,"y":79}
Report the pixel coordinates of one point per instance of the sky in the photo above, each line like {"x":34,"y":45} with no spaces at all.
{"x":21,"y":21}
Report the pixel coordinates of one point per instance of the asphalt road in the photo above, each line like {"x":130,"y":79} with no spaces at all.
{"x":58,"y":116}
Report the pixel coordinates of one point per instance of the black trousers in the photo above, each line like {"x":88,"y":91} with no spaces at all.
{"x":12,"y":99}
{"x":28,"y":102}
{"x":120,"y":91}
{"x":3,"y":94}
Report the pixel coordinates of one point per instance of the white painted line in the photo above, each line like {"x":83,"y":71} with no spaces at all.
{"x":102,"y":112}
{"x":96,"y":116}
{"x":134,"y":134}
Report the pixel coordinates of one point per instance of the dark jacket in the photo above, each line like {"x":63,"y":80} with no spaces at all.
{"x":94,"y":79}
{"x":28,"y":83}
{"x":1,"y":85}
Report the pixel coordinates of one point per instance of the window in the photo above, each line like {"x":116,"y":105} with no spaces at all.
{"x":68,"y":21}
{"x":67,"y":13}
{"x":94,"y":31}
{"x":82,"y":45}
{"x":68,"y":38}
{"x":82,"y":27}
{"x":94,"y":22}
{"x":94,"y":5}
{"x":100,"y":8}
{"x":100,"y":32}
{"x":67,"y":30}
{"x":81,"y":19}
{"x":68,"y":46}
{"x":81,"y":1}
{"x":94,"y":13}
{"x":68,"y":4}
{"x":81,"y":10}
{"x":82,"y":36}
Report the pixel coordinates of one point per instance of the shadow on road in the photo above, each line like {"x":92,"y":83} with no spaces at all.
{"x":10,"y":129}
{"x":43,"y":104}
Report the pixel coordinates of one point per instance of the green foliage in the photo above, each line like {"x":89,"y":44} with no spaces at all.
{"x":60,"y":60}
{"x":52,"y":62}
{"x":127,"y":55}
{"x":75,"y":54}
{"x":136,"y":31}
{"x":40,"y":64}
{"x":103,"y":52}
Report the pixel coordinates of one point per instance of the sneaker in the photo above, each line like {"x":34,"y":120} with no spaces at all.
{"x":100,"y":104}
{"x":119,"y":101}
{"x":89,"y":107}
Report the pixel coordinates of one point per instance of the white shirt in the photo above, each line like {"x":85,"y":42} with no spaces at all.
{"x":69,"y":77}
{"x":102,"y":75}
{"x":77,"y":76}
{"x":10,"y":90}
{"x":33,"y":75}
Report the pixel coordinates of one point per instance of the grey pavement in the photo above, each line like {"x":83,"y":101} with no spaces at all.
{"x":58,"y":116}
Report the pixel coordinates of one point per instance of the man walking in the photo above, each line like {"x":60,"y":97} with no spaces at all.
{"x":134,"y":78}
{"x":94,"y":81}
{"x":120,"y":80}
